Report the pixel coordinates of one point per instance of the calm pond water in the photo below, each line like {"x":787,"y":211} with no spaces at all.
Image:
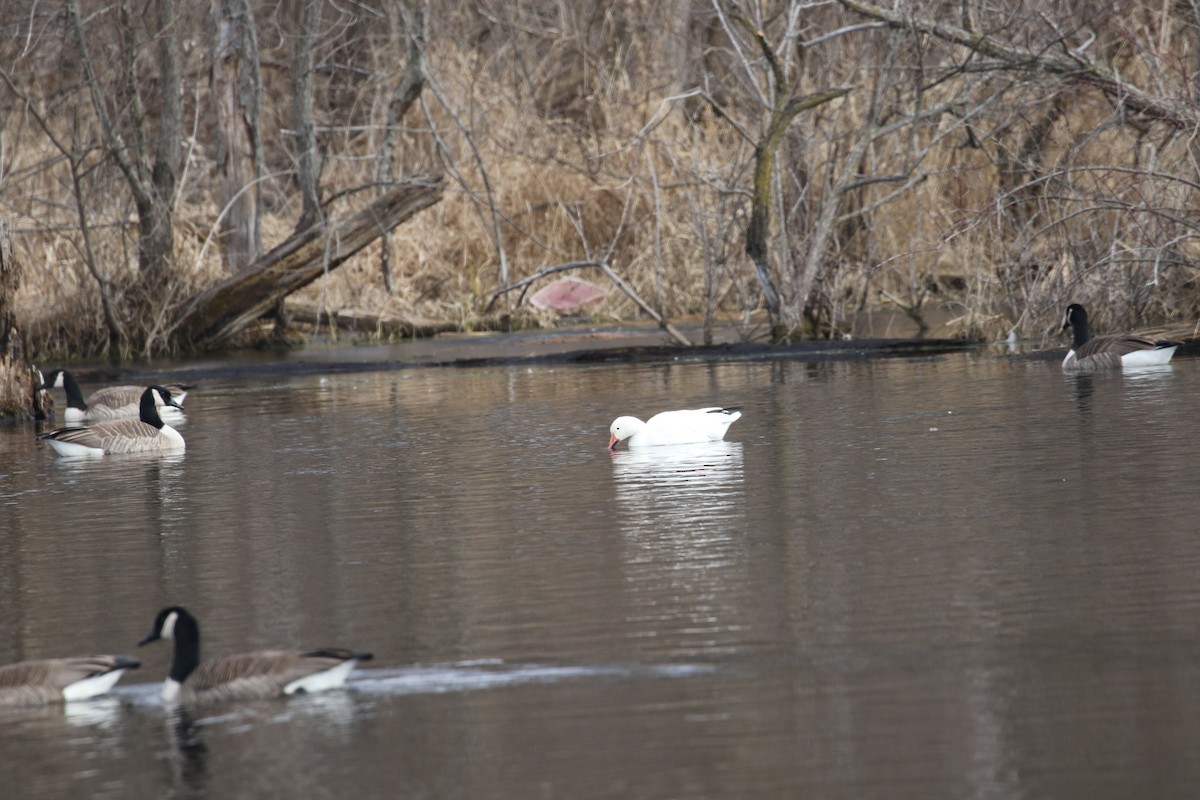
{"x":955,"y":576}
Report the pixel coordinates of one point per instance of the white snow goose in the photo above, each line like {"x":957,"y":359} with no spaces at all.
{"x":689,"y":426}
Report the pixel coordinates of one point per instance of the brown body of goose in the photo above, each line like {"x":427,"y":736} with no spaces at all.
{"x":1090,"y":353}
{"x":57,"y":680}
{"x":112,"y":402}
{"x":147,"y":434}
{"x":247,"y":676}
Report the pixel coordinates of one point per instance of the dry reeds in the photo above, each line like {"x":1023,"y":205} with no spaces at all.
{"x":626,"y":133}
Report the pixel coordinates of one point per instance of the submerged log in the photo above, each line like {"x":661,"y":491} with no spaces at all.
{"x":384,"y":325}
{"x":391,"y":326}
{"x":219,"y":313}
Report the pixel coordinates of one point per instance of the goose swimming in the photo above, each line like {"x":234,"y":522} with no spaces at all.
{"x":147,"y":434}
{"x":58,"y":680}
{"x":689,"y":426}
{"x":246,"y":676}
{"x":112,"y":402}
{"x":1090,"y":353}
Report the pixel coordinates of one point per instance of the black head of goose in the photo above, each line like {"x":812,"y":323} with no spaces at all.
{"x":58,"y":680}
{"x":112,"y":402}
{"x":247,"y":676}
{"x":1090,"y":353}
{"x":146,"y":434}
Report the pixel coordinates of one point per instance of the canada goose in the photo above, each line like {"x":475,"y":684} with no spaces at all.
{"x":690,"y":426}
{"x":55,"y":680}
{"x":147,"y":434}
{"x":1109,"y":352}
{"x":113,"y":402}
{"x":247,"y":676}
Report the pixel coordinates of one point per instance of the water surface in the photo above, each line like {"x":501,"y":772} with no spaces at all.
{"x":952,"y":576}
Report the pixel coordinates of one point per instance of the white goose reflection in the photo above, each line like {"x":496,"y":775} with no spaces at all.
{"x":682,"y":510}
{"x":1156,"y":372}
{"x":104,"y":712}
{"x":691,"y":484}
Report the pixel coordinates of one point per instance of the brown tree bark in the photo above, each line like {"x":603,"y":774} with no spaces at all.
{"x":413,"y":24}
{"x":308,"y":158}
{"x":236,"y":88}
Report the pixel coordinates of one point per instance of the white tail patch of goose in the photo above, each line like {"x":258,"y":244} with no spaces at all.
{"x":74,"y":449}
{"x":329,"y":679}
{"x":1148,"y":358}
{"x":90,"y":687}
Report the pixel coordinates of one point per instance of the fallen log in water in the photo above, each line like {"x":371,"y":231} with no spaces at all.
{"x":214,"y":316}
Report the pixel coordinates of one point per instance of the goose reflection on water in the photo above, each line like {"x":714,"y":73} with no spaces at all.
{"x":688,"y":483}
{"x":682,"y":512}
{"x":681,"y":495}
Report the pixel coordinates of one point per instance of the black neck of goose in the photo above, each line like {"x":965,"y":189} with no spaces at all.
{"x":1081,"y":334}
{"x":1079,"y":327}
{"x":74,"y":393}
{"x":187,"y":648}
{"x":148,"y":410}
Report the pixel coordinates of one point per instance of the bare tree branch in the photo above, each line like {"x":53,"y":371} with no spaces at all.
{"x":1073,"y":64}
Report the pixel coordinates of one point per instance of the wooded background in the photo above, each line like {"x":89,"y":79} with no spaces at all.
{"x":785,"y":165}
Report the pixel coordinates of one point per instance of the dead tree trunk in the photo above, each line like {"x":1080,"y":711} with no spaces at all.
{"x":308,"y":158}
{"x":414,"y":22}
{"x":785,"y":317}
{"x":151,"y":170}
{"x":236,"y":86}
{"x":226,"y":309}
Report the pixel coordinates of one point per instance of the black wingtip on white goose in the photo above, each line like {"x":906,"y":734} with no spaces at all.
{"x":247,"y":676}
{"x":146,"y":434}
{"x":112,"y":402}
{"x":1090,"y":353}
{"x":59,"y":680}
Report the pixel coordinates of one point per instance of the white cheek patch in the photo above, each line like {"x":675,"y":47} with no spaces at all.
{"x":168,"y":626}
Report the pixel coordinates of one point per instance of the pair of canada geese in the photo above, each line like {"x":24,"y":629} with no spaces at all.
{"x":247,"y":676}
{"x":122,"y":419}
